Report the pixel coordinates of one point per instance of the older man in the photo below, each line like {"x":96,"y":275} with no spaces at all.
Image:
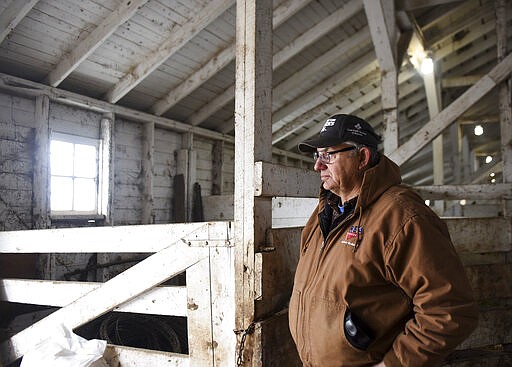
{"x":378,"y":281}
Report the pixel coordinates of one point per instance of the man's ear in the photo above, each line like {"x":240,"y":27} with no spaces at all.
{"x":364,"y":157}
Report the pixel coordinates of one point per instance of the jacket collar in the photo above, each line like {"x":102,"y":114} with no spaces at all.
{"x":376,"y":181}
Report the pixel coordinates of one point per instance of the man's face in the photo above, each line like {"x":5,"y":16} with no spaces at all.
{"x":341,"y":173}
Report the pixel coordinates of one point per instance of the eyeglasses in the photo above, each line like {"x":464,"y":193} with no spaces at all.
{"x":326,"y":157}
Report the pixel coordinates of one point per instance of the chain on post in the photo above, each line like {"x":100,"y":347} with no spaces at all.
{"x":248,"y":331}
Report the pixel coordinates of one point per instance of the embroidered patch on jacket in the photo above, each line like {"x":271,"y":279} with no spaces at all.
{"x":352,"y":232}
{"x":351,"y":236}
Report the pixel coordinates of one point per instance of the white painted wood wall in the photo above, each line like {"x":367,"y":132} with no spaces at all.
{"x":16,"y":166}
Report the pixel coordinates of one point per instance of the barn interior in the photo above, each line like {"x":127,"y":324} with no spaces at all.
{"x":151,"y":190}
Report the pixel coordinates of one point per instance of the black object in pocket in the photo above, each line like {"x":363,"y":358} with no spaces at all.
{"x":357,"y":333}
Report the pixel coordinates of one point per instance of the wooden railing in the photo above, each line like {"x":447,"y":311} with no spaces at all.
{"x":203,"y":250}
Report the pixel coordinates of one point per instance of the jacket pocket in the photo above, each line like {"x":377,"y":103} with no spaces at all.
{"x":357,"y":333}
{"x":294,"y":313}
{"x":326,"y":336}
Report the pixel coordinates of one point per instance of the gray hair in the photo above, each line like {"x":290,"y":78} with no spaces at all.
{"x":374,"y":153}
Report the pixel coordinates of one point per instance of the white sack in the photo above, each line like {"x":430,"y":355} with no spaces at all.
{"x":63,"y":348}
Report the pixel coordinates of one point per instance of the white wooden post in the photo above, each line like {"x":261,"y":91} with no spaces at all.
{"x":383,"y":28}
{"x":107,"y":166}
{"x":432,"y":90}
{"x":106,"y":184}
{"x":504,"y":102}
{"x":41,"y":173}
{"x":253,"y":142}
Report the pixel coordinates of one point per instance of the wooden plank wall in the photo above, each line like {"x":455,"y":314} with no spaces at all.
{"x":16,"y":166}
{"x":485,"y":247}
{"x":16,"y":162}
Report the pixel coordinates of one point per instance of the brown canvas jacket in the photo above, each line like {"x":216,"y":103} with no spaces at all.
{"x":392,"y":264}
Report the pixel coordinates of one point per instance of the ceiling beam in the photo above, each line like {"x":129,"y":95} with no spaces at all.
{"x":326,"y":89}
{"x":436,"y":125}
{"x":312,"y":35}
{"x":13,"y":14}
{"x":334,"y":104}
{"x":282,"y":13}
{"x":408,"y":5}
{"x":180,"y":36}
{"x":306,"y":117}
{"x":95,"y":39}
{"x":474,"y":13}
{"x":460,"y":81}
{"x":474,"y":34}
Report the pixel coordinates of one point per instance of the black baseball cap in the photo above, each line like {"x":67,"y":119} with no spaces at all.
{"x":339,"y":129}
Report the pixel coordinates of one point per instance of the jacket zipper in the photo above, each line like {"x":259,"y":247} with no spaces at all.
{"x":307,"y":286}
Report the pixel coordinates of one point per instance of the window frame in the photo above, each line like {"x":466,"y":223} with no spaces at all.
{"x":77,"y":139}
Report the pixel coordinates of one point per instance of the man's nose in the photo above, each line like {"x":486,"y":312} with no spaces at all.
{"x":319,"y":165}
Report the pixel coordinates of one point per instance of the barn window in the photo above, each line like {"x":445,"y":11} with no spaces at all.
{"x":75,"y":166}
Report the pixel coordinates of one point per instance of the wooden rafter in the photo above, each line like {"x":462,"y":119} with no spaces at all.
{"x":95,"y":39}
{"x":347,"y":76}
{"x":409,"y":5}
{"x":177,"y":40}
{"x":217,"y":63}
{"x":13,"y":14}
{"x":436,"y":125}
{"x":331,"y":107}
{"x":310,"y":36}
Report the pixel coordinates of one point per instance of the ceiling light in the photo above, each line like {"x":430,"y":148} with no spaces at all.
{"x":479,"y":130}
{"x":493,"y":180}
{"x":488,"y":159}
{"x":462,"y":202}
{"x":492,"y":174}
{"x":427,"y":66}
{"x":427,"y":202}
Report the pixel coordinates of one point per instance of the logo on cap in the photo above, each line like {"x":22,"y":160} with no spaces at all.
{"x":358,"y":126}
{"x":328,"y":123}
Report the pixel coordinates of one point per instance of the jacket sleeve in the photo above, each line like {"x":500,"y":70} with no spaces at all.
{"x":422,"y":261}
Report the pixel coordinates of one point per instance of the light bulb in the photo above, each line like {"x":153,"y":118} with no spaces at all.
{"x":427,"y":66}
{"x":479,"y":130}
{"x":488,"y":159}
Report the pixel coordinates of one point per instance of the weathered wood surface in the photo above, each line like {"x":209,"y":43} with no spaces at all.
{"x":120,"y":356}
{"x":274,"y":343}
{"x":286,"y":211}
{"x":140,"y":278}
{"x":480,"y":234}
{"x":275,"y":271}
{"x":436,"y":125}
{"x":40,"y":175}
{"x":450,"y":192}
{"x":121,"y":239}
{"x":276,"y":180}
{"x":253,"y":142}
{"x":170,"y":301}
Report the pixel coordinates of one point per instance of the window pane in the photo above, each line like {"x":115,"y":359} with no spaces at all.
{"x":61,"y":193}
{"x":85,"y":160}
{"x":61,"y":158}
{"x":85,"y":194}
